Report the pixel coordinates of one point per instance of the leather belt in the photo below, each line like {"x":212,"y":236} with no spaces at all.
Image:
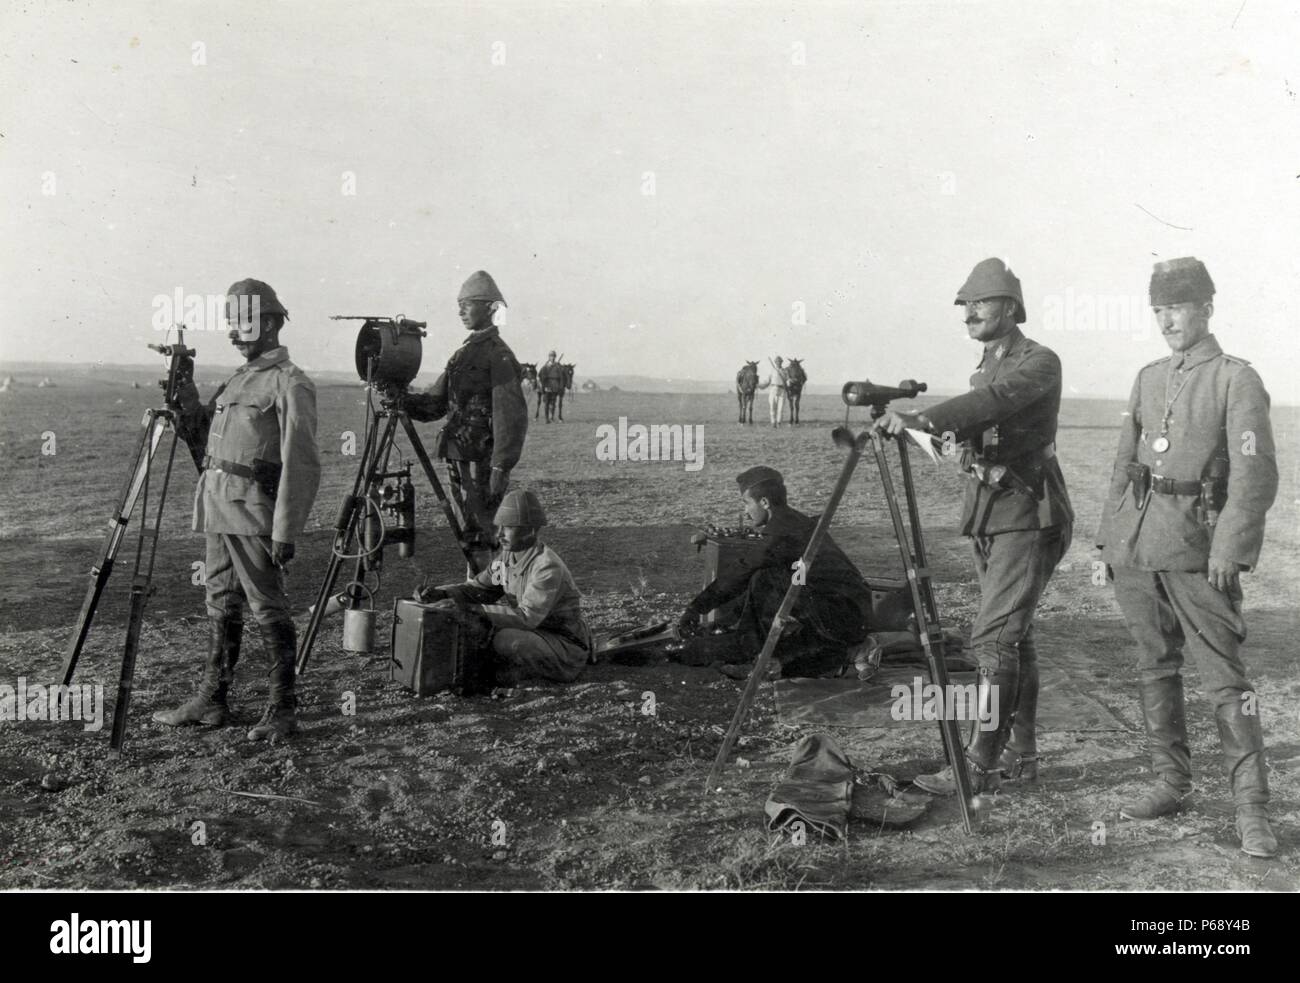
{"x":230,"y":467}
{"x":1040,"y":455}
{"x":1168,"y":486}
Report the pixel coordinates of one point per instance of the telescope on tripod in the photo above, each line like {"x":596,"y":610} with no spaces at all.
{"x":911,"y":548}
{"x":156,"y":424}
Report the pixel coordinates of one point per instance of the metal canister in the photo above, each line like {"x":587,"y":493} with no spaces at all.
{"x":359,"y":622}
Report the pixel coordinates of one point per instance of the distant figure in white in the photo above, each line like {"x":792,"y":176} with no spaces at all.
{"x":776,"y":386}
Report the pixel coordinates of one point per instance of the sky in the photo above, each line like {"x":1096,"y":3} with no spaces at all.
{"x":659,"y":189}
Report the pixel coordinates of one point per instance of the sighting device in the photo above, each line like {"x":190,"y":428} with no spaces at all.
{"x":388,"y":354}
{"x":911,"y":549}
{"x":156,"y":423}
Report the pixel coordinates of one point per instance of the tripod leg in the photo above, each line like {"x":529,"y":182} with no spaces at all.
{"x":345,"y":526}
{"x":141,"y":589}
{"x":914,"y":523}
{"x":438,"y":492}
{"x":782,"y":614}
{"x":154,"y":428}
{"x":309,"y":634}
{"x":928,"y":624}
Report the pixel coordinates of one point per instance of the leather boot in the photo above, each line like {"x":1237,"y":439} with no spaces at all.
{"x":1019,"y":761}
{"x":986,"y":745}
{"x":230,"y":658}
{"x":1242,"y":740}
{"x":208,"y":706}
{"x":1164,"y":714}
{"x":279,"y":719}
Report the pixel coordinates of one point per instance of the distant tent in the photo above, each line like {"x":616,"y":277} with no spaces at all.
{"x":590,"y":386}
{"x":6,"y":384}
{"x":46,"y":383}
{"x":614,"y":389}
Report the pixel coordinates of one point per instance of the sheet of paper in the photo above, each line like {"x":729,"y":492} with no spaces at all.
{"x":924,"y":441}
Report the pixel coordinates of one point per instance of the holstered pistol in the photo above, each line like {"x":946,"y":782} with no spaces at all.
{"x":1139,"y":476}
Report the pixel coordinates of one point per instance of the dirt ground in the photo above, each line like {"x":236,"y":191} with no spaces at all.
{"x":572,"y":787}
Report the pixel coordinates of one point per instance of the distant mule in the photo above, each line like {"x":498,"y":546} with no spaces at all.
{"x":528,"y":375}
{"x":568,"y":368}
{"x":746,"y":383}
{"x":795,"y":379}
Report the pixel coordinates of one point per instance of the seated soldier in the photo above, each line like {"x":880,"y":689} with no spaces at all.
{"x":526,"y":600}
{"x":832,"y":612}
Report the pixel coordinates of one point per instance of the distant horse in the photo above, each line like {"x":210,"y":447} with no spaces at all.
{"x":746,"y":383}
{"x":568,"y":368}
{"x":795,"y":379}
{"x":528,"y":375}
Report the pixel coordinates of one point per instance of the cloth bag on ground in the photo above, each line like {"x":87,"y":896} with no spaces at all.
{"x":817,"y":789}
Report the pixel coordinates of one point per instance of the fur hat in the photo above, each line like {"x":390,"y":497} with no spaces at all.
{"x":1178,"y":281}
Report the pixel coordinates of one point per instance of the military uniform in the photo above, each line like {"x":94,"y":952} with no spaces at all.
{"x":261,"y":471}
{"x":1020,"y":526}
{"x":1016,"y":510}
{"x":833,"y":608}
{"x":534,"y":608}
{"x":528,"y":603}
{"x":551,"y":377}
{"x":481,"y":395}
{"x":262,"y":467}
{"x":1194,"y":475}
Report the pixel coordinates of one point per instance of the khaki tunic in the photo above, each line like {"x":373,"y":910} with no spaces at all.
{"x":1009,"y":417}
{"x":481,"y":395}
{"x":265,"y":412}
{"x":1221,"y":407}
{"x":540,"y":594}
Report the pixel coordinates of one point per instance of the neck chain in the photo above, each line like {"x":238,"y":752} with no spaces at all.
{"x":1161,"y":443}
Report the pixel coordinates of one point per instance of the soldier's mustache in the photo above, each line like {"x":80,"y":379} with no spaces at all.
{"x":974,"y":320}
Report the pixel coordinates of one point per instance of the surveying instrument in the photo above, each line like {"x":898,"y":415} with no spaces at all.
{"x":156,"y":424}
{"x":911,"y":548}
{"x":380,"y":510}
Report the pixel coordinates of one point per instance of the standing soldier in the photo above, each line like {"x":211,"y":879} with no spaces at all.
{"x":1016,"y":511}
{"x":260,"y":473}
{"x":1196,"y":448}
{"x":481,"y":395}
{"x":550,"y":379}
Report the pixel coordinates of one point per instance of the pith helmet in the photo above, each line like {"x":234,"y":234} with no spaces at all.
{"x":481,"y":286}
{"x":521,"y":508}
{"x":991,"y":278}
{"x":1179,"y":281}
{"x":267,"y":301}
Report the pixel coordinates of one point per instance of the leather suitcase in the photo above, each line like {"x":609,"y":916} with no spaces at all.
{"x":724,"y":555}
{"x":429,"y":650}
